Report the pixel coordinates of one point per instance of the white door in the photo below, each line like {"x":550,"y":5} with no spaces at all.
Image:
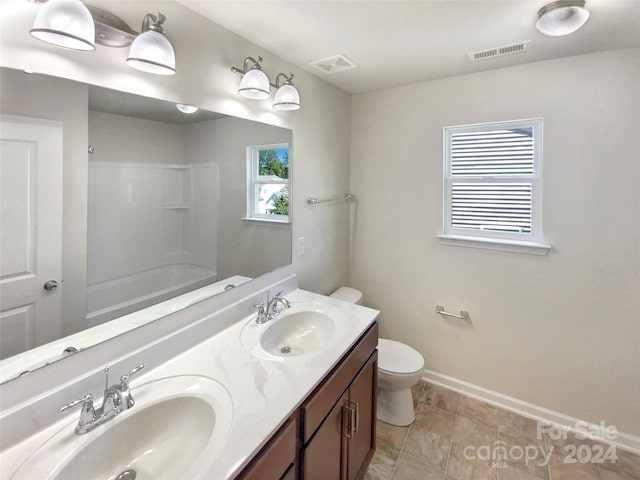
{"x":30,"y":233}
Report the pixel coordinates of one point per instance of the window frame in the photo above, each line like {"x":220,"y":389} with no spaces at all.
{"x":253,"y":181}
{"x":521,"y":242}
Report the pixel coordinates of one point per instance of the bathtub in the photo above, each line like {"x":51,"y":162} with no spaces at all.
{"x":115,"y":298}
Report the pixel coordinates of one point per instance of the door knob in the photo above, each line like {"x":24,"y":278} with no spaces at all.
{"x":50,"y":285}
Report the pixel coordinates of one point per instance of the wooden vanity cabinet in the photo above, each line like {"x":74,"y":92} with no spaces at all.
{"x":332,"y":436}
{"x":361,"y":445}
{"x":344,"y":443}
{"x":277,"y":459}
{"x":338,"y":419}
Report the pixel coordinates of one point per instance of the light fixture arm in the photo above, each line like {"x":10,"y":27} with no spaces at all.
{"x":151,"y":22}
{"x":287,"y":80}
{"x":245,"y":66}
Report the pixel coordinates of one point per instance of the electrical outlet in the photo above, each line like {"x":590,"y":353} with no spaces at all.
{"x":300,"y":246}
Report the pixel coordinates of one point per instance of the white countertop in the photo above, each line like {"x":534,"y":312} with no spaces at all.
{"x":264,"y":390}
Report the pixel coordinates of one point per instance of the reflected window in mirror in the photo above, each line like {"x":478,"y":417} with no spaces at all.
{"x":268,"y":183}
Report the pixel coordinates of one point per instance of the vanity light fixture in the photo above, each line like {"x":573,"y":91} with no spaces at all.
{"x":562,"y":17}
{"x":71,"y":24}
{"x":151,"y":51}
{"x":254,"y":83}
{"x":184,"y":108}
{"x":65,"y":23}
{"x":287,"y":96}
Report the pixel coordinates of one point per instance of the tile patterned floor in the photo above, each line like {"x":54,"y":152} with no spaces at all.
{"x":455,"y":438}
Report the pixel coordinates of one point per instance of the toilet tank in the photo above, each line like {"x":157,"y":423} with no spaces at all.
{"x":348,"y":294}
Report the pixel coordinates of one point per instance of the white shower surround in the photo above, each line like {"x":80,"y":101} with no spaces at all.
{"x":144,"y":193}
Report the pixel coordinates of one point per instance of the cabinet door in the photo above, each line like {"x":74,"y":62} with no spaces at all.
{"x":290,"y":474}
{"x":277,"y":457}
{"x":325,"y":454}
{"x":362,"y":400}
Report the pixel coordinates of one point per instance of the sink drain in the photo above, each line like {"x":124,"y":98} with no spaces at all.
{"x":285,"y":349}
{"x":127,"y":475}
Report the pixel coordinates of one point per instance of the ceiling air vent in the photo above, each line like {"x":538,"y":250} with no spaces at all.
{"x":499,"y":51}
{"x":334,"y":63}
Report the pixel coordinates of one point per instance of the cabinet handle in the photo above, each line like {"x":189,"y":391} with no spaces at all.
{"x":354,"y":419}
{"x":348,"y":412}
{"x":357,"y":415}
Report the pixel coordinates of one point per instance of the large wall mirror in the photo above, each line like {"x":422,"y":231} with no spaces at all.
{"x":141,"y":208}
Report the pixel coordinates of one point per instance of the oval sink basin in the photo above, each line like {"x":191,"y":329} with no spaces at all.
{"x":173,"y":431}
{"x":297,"y":333}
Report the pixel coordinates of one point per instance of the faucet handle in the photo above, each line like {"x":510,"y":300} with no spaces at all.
{"x":124,"y":379}
{"x":258,"y":306}
{"x":86,"y":400}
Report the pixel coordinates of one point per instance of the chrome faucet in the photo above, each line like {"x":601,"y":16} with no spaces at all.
{"x":269,"y":310}
{"x":273,"y":304}
{"x":117,"y":399}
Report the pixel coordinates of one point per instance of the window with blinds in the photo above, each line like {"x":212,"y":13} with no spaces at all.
{"x":491,"y":180}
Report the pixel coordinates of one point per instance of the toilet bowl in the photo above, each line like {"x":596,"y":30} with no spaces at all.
{"x":399,"y":368}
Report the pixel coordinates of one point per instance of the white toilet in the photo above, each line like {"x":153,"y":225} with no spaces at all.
{"x":399,"y":368}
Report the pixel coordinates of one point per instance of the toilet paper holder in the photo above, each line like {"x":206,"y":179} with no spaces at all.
{"x":463,"y":313}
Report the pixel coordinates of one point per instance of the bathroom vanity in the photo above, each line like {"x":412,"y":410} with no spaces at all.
{"x":225,"y":397}
{"x":332,"y":435}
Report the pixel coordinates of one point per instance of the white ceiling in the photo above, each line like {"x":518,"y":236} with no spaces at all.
{"x":400,"y":42}
{"x":148,"y":108}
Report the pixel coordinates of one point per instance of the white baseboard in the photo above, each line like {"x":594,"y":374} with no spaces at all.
{"x":623,"y":440}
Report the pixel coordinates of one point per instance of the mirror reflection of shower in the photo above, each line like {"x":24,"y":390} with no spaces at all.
{"x":153,"y":214}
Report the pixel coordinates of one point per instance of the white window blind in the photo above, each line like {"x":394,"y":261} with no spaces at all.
{"x":491,"y":183}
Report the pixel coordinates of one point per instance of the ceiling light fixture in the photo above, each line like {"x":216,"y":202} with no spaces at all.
{"x":562,"y":17}
{"x":287,"y":96}
{"x":254,"y":83}
{"x":184,"y":108}
{"x":151,"y":51}
{"x":65,"y":23}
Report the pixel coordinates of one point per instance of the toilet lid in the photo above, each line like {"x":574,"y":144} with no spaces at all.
{"x":396,"y":357}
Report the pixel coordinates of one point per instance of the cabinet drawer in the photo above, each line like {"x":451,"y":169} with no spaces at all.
{"x":329,"y":392}
{"x":277,"y":457}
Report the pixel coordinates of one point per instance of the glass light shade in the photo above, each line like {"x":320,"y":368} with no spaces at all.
{"x":286,"y":98}
{"x":184,"y":108}
{"x":254,"y":85}
{"x":152,"y":52}
{"x":562,"y":20}
{"x":65,"y":23}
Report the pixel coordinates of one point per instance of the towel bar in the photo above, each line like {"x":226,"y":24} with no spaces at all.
{"x":347,"y":197}
{"x":463,"y":313}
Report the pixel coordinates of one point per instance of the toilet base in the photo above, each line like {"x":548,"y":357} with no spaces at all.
{"x":396,"y":407}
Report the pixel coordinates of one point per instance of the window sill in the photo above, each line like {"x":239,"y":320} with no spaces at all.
{"x":531,"y":248}
{"x":266,"y":222}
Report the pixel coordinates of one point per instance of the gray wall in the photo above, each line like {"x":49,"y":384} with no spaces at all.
{"x":560,"y":331}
